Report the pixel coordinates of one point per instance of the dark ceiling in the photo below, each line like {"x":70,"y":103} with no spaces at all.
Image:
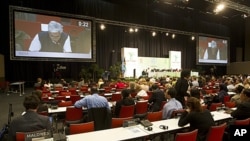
{"x":199,"y":7}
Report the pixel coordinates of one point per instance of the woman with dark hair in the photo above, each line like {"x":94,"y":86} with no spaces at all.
{"x":127,"y":100}
{"x":236,"y":97}
{"x":220,"y":95}
{"x":197,"y":117}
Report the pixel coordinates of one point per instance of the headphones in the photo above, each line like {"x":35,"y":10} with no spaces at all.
{"x":149,"y":128}
{"x":164,"y":127}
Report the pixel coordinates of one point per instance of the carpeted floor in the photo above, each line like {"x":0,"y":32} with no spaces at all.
{"x":13,"y":98}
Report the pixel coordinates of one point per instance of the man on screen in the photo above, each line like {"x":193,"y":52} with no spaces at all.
{"x":53,"y":40}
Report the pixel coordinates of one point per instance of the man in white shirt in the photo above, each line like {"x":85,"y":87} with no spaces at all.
{"x":53,"y":40}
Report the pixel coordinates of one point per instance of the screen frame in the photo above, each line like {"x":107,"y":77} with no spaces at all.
{"x":13,"y":9}
{"x":198,"y":62}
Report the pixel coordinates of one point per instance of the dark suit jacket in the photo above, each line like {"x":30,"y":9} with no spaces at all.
{"x":198,"y":120}
{"x":181,"y":87}
{"x":29,"y":122}
{"x":242,"y":111}
{"x":156,"y":100}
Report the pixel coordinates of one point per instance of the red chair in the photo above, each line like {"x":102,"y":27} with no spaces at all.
{"x":187,"y":136}
{"x":65,"y":104}
{"x":230,"y":104}
{"x":107,"y":89}
{"x":81,"y":127}
{"x":118,"y":122}
{"x":45,"y":113}
{"x":73,"y":91}
{"x":216,"y":133}
{"x":226,"y":99}
{"x":154,"y":116}
{"x":73,"y":115}
{"x":162,"y":104}
{"x":242,"y":122}
{"x":141,"y":107}
{"x":127,"y":111}
{"x":75,"y":98}
{"x":149,"y":94}
{"x":213,"y":106}
{"x":116,"y":97}
{"x":60,"y":98}
{"x":133,"y":94}
{"x":65,"y":93}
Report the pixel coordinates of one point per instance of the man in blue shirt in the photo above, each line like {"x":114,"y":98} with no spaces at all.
{"x":93,"y":101}
{"x":171,"y":105}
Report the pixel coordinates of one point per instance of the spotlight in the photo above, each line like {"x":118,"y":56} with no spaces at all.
{"x":173,"y":36}
{"x":136,"y":29}
{"x":131,"y":30}
{"x":167,"y":34}
{"x":192,"y":38}
{"x":153,"y":34}
{"x":102,"y":26}
{"x":219,"y":8}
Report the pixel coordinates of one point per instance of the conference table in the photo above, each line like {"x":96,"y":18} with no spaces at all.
{"x":63,"y":109}
{"x":20,"y":85}
{"x":138,"y":131}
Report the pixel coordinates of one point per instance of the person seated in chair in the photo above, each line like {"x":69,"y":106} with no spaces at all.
{"x":197,"y":117}
{"x":92,"y":101}
{"x":171,"y":105}
{"x":127,"y":100}
{"x":243,"y":108}
{"x":156,"y":98}
{"x":30,"y":120}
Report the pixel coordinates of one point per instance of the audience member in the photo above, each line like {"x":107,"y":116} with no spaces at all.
{"x":197,"y":117}
{"x":236,"y":97}
{"x":30,"y":120}
{"x":41,"y":106}
{"x":81,"y":83}
{"x":195,"y":92}
{"x":100,"y":83}
{"x":140,"y":92}
{"x":181,"y":86}
{"x":127,"y":100}
{"x":171,"y":105}
{"x":92,"y":101}
{"x":120,"y":84}
{"x":156,"y":99}
{"x":220,"y":95}
{"x":243,"y":108}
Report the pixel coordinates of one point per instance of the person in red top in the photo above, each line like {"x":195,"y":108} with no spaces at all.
{"x":120,"y":84}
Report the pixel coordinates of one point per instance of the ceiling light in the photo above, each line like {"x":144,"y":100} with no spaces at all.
{"x":167,"y":34}
{"x":153,"y":34}
{"x":219,"y":8}
{"x":192,"y":38}
{"x":102,"y":26}
{"x":131,"y":30}
{"x":173,"y":36}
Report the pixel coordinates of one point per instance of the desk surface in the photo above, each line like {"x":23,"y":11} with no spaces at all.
{"x":138,"y":131}
{"x":63,"y":109}
{"x":113,"y":134}
{"x":17,"y":83}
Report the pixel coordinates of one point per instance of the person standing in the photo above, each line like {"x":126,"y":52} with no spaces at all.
{"x":53,"y":40}
{"x":182,"y":86}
